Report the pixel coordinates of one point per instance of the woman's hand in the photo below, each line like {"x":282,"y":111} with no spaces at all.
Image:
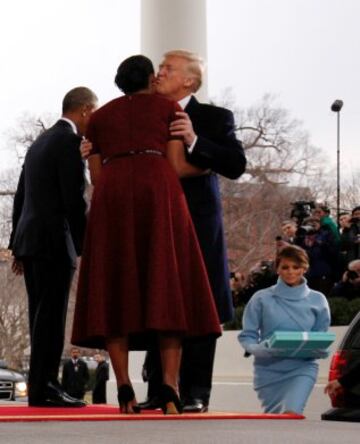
{"x":332,"y":387}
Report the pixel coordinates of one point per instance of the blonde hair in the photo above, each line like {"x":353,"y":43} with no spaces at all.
{"x":195,"y":65}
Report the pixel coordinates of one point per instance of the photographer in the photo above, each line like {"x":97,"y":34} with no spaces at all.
{"x":344,"y":221}
{"x":350,"y":238}
{"x":349,"y":286}
{"x":237,"y":282}
{"x":260,"y":276}
{"x":320,"y":246}
{"x":289,"y":230}
{"x":323,"y":213}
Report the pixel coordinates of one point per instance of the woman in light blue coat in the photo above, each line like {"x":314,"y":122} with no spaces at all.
{"x":283,"y":385}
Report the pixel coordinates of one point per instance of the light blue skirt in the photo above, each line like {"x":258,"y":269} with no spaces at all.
{"x":288,"y":395}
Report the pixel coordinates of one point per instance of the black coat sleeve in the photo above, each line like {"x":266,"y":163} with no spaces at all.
{"x":218,"y":148}
{"x":86,"y":374}
{"x":17,"y":207}
{"x":70,"y":169}
{"x":102,"y":372}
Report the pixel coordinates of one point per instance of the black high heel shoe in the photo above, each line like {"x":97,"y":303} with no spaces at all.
{"x":125,"y":396}
{"x":170,"y":402}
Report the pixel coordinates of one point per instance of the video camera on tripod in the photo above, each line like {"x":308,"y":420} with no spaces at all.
{"x":301,"y":210}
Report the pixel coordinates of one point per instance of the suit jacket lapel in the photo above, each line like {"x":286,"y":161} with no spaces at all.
{"x":192,"y":106}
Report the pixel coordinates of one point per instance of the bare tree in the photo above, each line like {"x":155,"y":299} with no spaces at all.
{"x":278,"y":149}
{"x":283,"y":167}
{"x":14,"y":330}
{"x":27,"y":129}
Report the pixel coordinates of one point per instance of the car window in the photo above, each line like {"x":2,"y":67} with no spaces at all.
{"x":352,"y":339}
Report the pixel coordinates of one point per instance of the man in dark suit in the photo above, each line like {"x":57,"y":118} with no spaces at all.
{"x":101,"y":377}
{"x":48,"y":228}
{"x":209,"y":135}
{"x":75,"y":375}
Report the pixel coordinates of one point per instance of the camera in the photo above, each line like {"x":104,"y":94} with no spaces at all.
{"x":263,"y":271}
{"x":305,"y":229}
{"x":355,"y":220}
{"x":351,"y":274}
{"x":301,"y":210}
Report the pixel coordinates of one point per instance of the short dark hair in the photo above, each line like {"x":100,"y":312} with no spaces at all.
{"x":133,"y":74}
{"x":78,"y":97}
{"x":312,"y":219}
{"x":355,"y":209}
{"x":294,"y":253}
{"x":323,"y":207}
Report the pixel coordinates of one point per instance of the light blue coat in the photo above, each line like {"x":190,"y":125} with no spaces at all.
{"x":283,"y":384}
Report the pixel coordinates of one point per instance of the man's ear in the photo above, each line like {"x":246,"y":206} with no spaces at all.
{"x":188,"y":82}
{"x":84,"y":110}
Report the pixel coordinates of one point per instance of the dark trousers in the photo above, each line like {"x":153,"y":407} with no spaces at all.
{"x":99,"y":393}
{"x":196,"y":370}
{"x":48,"y":285}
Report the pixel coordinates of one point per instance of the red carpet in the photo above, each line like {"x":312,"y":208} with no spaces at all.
{"x":17,"y":413}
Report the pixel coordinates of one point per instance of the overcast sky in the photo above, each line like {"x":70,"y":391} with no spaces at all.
{"x":305,"y":51}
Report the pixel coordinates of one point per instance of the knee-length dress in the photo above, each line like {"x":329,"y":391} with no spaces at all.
{"x":141,"y":269}
{"x":283,"y":384}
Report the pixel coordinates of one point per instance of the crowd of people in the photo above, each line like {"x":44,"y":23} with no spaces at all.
{"x":154,"y":273}
{"x":333,"y":250}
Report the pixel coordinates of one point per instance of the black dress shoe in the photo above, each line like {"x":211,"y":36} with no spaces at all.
{"x":58,"y":401}
{"x":54,"y":396}
{"x":150,"y":403}
{"x":195,"y":406}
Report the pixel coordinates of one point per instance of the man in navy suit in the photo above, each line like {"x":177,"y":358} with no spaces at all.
{"x":209,"y":135}
{"x":48,"y":228}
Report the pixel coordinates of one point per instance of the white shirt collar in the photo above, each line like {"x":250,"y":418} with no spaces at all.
{"x":71,"y":123}
{"x":183,"y":102}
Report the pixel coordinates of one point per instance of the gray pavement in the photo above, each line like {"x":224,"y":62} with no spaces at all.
{"x":181,"y":432}
{"x":232,"y":391}
{"x":226,"y":397}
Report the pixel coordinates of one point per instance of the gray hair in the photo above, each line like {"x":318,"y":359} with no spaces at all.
{"x":288,"y":222}
{"x":78,"y":97}
{"x":353,"y":264}
{"x":195,"y":66}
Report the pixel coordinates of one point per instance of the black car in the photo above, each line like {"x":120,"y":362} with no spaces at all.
{"x":13,"y":385}
{"x":346,"y":402}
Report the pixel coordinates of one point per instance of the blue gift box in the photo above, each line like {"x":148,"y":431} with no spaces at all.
{"x":300,"y":344}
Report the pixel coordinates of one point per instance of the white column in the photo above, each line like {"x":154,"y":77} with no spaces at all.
{"x":174,"y":24}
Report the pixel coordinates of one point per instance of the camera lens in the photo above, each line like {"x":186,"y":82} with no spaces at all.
{"x":352,"y":274}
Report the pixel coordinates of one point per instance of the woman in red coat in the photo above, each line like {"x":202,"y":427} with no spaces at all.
{"x":142,"y":274}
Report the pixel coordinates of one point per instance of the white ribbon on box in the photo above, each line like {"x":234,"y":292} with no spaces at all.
{"x":305,"y":338}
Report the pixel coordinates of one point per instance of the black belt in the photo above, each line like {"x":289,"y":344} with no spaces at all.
{"x":133,"y":153}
